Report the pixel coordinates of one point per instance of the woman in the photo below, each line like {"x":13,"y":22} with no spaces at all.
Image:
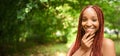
{"x":90,"y":39}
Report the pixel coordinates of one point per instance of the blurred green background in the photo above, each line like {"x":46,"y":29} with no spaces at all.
{"x":49,"y":27}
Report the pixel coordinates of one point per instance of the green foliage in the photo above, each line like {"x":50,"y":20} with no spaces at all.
{"x":45,"y":21}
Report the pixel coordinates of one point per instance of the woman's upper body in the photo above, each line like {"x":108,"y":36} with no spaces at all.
{"x":89,"y":40}
{"x":108,"y":49}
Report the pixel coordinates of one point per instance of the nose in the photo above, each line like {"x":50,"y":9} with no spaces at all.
{"x":88,"y":24}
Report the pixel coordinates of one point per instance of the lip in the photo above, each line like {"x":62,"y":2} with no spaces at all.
{"x":89,"y":30}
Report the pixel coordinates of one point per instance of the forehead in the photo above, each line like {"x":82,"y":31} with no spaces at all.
{"x":89,"y":12}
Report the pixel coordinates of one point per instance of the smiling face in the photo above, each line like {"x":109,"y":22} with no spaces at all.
{"x":90,"y":21}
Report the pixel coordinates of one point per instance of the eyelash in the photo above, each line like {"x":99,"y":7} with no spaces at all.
{"x":84,"y":20}
{"x":94,"y":20}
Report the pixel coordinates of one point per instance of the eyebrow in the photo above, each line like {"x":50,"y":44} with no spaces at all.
{"x":83,"y":16}
{"x":92,"y":17}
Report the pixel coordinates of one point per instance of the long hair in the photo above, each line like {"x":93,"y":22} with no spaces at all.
{"x":98,"y":38}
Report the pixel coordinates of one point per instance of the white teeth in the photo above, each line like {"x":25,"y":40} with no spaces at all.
{"x":89,"y":29}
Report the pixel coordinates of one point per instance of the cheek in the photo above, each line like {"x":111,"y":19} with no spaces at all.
{"x":97,"y":25}
{"x":83,"y":24}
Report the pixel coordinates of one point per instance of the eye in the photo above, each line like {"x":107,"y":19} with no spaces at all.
{"x":94,"y":20}
{"x":84,"y":19}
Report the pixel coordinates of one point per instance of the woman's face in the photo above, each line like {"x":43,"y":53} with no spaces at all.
{"x":90,"y":21}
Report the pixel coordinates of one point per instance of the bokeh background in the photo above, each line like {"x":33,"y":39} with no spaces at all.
{"x":49,"y":27}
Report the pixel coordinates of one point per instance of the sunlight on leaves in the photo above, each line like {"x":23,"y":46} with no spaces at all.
{"x":60,"y":54}
{"x":23,"y":37}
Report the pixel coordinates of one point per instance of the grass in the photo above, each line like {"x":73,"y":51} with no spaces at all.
{"x":58,"y":49}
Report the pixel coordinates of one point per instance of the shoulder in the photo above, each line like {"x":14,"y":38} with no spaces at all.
{"x":107,"y":42}
{"x":108,"y":48}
